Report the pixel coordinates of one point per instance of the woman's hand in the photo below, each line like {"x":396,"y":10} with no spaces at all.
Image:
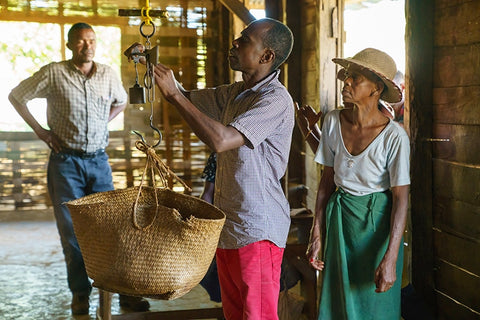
{"x":306,"y":117}
{"x":313,"y":251}
{"x":385,"y":275}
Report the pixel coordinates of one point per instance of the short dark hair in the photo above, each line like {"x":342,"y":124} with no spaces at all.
{"x":77,"y":26}
{"x":279,"y":38}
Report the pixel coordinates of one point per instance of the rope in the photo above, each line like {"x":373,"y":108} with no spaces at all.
{"x":154,"y":161}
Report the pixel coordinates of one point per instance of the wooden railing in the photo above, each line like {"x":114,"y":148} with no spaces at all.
{"x":24,"y":158}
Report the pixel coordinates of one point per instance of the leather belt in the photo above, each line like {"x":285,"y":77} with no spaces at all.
{"x":83,"y":154}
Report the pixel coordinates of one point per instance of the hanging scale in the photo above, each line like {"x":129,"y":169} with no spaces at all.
{"x":139,"y":94}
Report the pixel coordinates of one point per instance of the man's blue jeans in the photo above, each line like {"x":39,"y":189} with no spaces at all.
{"x":71,"y":177}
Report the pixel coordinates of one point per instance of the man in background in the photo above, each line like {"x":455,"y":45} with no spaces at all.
{"x":82,"y":97}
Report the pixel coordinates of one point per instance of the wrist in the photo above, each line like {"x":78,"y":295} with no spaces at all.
{"x":174,"y":96}
{"x":307,"y":134}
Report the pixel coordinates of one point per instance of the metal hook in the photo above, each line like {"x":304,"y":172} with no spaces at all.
{"x":140,"y":135}
{"x":154,"y":129}
{"x":160,"y":137}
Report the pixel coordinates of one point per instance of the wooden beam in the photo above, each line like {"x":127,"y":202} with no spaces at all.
{"x":296,"y":162}
{"x":30,"y":136}
{"x":210,"y":313}
{"x":276,"y":9}
{"x":419,"y":90}
{"x":43,"y":17}
{"x":238,"y":9}
{"x":138,"y":13}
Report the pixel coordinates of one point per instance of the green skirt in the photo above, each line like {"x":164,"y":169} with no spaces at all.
{"x":358,"y":230}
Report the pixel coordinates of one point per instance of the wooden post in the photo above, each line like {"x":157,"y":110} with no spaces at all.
{"x":105,"y":305}
{"x":419,"y":90}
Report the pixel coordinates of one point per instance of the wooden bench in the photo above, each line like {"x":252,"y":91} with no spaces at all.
{"x":105,"y":306}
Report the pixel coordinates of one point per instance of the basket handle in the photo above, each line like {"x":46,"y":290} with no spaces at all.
{"x":135,"y":215}
{"x":156,"y":165}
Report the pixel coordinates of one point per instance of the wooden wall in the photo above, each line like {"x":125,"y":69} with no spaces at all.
{"x":456,"y":163}
{"x":444,"y":85}
{"x":317,"y":29}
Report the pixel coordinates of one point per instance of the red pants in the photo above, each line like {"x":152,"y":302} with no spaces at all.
{"x":250,"y":281}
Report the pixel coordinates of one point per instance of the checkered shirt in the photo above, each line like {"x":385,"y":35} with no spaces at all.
{"x":78,"y":106}
{"x":247,"y":182}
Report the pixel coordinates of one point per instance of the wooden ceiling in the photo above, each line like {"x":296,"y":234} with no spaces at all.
{"x":16,"y":5}
{"x":104,"y":11}
{"x":97,"y":12}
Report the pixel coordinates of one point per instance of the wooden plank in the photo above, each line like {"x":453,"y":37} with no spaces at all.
{"x":457,"y":105}
{"x":296,"y":162}
{"x":458,"y":251}
{"x":441,"y":4}
{"x":105,"y":305}
{"x":327,"y":48}
{"x":456,"y":66}
{"x":309,"y":14}
{"x":457,"y":284}
{"x":238,"y":9}
{"x":163,"y":31}
{"x":463,"y":145}
{"x":105,"y":302}
{"x":17,"y":136}
{"x":309,"y":60}
{"x":177,"y":42}
{"x":274,"y":9}
{"x":310,"y":70}
{"x":138,"y":13}
{"x":212,"y":313}
{"x":458,"y":25}
{"x":45,"y":17}
{"x":177,"y":52}
{"x":309,"y":37}
{"x":457,"y":217}
{"x":419,"y":74}
{"x":450,"y":309}
{"x":29,"y":191}
{"x":456,"y":181}
{"x":311,"y":78}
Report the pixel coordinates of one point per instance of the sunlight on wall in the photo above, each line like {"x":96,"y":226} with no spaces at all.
{"x":258,"y":13}
{"x":378,"y":25}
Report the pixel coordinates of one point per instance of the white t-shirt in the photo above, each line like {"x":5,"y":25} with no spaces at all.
{"x":385,"y":163}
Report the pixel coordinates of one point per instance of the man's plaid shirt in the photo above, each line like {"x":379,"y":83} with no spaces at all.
{"x":78,"y":106}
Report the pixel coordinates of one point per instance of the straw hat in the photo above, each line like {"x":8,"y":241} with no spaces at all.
{"x":379,"y":63}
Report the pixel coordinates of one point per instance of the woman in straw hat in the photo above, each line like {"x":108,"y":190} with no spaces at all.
{"x":361,"y":207}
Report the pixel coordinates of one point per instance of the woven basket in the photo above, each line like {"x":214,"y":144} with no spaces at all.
{"x":139,"y":248}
